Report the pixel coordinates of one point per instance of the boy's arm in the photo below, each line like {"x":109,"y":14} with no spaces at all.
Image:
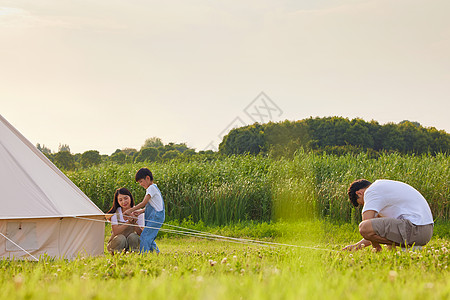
{"x":136,"y":213}
{"x":139,"y":206}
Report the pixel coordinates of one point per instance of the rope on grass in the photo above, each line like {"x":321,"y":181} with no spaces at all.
{"x":207,"y":235}
{"x":19,"y":246}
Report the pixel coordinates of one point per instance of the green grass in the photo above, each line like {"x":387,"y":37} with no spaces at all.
{"x":190,"y":268}
{"x":254,"y":197}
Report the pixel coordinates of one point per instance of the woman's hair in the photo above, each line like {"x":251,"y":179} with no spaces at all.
{"x":116,"y":205}
{"x":354,"y":187}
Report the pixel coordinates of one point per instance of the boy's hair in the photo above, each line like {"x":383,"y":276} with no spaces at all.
{"x":356,"y":186}
{"x":142,"y":174}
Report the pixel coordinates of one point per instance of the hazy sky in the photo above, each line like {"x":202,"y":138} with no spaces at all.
{"x":107,"y":74}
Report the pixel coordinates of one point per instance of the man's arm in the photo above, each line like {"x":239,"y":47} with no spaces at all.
{"x":367,"y":215}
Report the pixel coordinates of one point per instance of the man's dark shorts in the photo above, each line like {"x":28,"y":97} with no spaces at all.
{"x":402,"y":232}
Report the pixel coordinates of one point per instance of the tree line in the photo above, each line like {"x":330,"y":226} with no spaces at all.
{"x":333,"y":135}
{"x":152,"y":150}
{"x":336,"y":135}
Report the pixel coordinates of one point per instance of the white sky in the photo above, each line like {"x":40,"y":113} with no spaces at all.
{"x":107,"y":74}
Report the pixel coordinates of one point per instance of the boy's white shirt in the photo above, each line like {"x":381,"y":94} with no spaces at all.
{"x":156,"y":200}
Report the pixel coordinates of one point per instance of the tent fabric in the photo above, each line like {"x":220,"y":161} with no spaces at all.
{"x":32,"y":186}
{"x":39,"y":204}
{"x":56,"y":237}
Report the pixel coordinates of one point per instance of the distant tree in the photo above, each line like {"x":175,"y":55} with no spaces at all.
{"x":358,"y":134}
{"x":64,"y":160}
{"x":171,"y":154}
{"x":90,"y":158}
{"x":189,"y":153}
{"x":335,"y":134}
{"x":153,"y":142}
{"x":249,"y":139}
{"x":43,"y":149}
{"x":417,"y":124}
{"x":116,"y":152}
{"x":439,"y":140}
{"x":119,"y":157}
{"x":63,"y":147}
{"x":181,"y":147}
{"x":77,"y":158}
{"x":374,"y":129}
{"x":286,"y":138}
{"x":129,"y":151}
{"x":207,"y":155}
{"x":390,"y":137}
{"x":411,"y":136}
{"x":147,"y":154}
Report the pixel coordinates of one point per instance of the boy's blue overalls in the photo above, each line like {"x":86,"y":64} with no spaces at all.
{"x":153,"y":221}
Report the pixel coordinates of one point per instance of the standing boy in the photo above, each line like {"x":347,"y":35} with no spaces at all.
{"x":154,"y":210}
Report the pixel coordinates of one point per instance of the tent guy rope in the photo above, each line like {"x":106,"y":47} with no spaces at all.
{"x":19,"y":246}
{"x":207,"y":235}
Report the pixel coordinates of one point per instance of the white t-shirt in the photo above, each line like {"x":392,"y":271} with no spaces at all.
{"x":398,"y":200}
{"x":140,"y":220}
{"x":156,"y":200}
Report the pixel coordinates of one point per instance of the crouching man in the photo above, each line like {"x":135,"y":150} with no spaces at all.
{"x":394,"y":213}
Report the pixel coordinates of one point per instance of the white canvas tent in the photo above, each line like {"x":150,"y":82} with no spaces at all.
{"x":42,"y":211}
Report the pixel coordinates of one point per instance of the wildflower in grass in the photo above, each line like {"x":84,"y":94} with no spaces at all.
{"x":212,"y":262}
{"x":18,"y":281}
{"x":429,"y":285}
{"x":224,"y":260}
{"x":392,"y":275}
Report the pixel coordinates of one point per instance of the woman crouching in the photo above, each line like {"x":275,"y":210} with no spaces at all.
{"x":125,"y":231}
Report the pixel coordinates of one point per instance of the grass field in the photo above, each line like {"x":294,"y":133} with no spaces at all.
{"x":255,"y":197}
{"x":191,"y":268}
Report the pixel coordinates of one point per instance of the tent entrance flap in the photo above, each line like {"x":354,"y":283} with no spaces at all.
{"x":23,"y":234}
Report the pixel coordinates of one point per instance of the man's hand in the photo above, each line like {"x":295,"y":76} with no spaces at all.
{"x":353,"y":247}
{"x":359,"y":245}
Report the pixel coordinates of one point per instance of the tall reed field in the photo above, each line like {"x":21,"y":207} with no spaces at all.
{"x":216,"y":192}
{"x":257,"y":188}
